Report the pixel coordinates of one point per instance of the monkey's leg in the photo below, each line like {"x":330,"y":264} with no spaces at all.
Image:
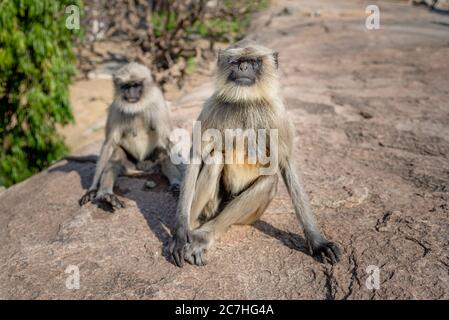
{"x":171,"y":171}
{"x":145,"y":166}
{"x":246,"y":207}
{"x":183,"y":212}
{"x":263,"y":205}
{"x":157,"y":156}
{"x":130,"y":167}
{"x":206,"y":192}
{"x":117,"y":165}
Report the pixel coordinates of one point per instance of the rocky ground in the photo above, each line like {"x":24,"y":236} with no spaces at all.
{"x":371,"y":110}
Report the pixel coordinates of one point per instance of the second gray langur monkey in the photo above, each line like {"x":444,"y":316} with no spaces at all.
{"x":215,"y":196}
{"x":137,"y":130}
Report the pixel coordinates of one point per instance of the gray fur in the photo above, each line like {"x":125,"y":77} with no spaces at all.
{"x":214,"y":197}
{"x":135,"y":129}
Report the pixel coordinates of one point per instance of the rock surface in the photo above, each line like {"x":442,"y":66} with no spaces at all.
{"x":371,"y":110}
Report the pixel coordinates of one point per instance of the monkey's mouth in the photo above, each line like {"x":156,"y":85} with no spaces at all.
{"x":132,"y":100}
{"x":244,"y":81}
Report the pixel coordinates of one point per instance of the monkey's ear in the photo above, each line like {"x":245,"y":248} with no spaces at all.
{"x":275,"y":58}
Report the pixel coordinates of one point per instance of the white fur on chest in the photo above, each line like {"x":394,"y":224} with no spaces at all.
{"x":139,"y":141}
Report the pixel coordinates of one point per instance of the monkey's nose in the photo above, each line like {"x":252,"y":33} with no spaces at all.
{"x":243,"y":66}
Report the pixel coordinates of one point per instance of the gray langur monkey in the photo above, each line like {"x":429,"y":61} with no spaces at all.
{"x":137,"y":131}
{"x":215,"y":196}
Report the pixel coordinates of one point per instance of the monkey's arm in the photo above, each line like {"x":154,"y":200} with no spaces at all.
{"x":181,"y":235}
{"x":318,"y":245}
{"x":105,"y":154}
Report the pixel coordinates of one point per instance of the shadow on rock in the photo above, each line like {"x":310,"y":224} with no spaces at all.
{"x":158,"y":205}
{"x":291,"y":240}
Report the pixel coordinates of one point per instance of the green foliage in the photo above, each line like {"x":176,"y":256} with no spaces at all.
{"x":172,"y":28}
{"x":163,"y":21}
{"x":191,"y":65}
{"x":220,"y":29}
{"x":234,"y":28}
{"x":36,"y":66}
{"x":228,"y":28}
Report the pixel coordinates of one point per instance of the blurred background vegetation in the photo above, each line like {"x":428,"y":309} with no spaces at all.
{"x":171,"y":37}
{"x":36,"y":67}
{"x":39,"y":56}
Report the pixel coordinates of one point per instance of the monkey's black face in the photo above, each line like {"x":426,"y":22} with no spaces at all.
{"x":244,"y":71}
{"x":132,"y":91}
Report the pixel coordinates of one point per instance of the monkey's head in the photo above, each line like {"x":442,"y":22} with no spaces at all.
{"x":132,"y":83}
{"x":247,"y":71}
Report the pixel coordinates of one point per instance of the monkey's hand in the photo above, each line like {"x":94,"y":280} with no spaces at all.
{"x":195,"y":250}
{"x":325,"y":251}
{"x":178,"y":245}
{"x":87,"y":197}
{"x":110,"y":199}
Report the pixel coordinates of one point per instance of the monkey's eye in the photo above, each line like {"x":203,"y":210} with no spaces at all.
{"x":256,"y":63}
{"x":130,"y":85}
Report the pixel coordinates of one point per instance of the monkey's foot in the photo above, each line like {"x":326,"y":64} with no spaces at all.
{"x":111,"y":199}
{"x":178,"y":245}
{"x":175,"y":188}
{"x":88,"y":196}
{"x":326,"y":251}
{"x":195,"y":250}
{"x":146,"y":166}
{"x":195,"y":254}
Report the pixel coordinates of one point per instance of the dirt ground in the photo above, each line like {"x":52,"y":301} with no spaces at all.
{"x":371,"y":111}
